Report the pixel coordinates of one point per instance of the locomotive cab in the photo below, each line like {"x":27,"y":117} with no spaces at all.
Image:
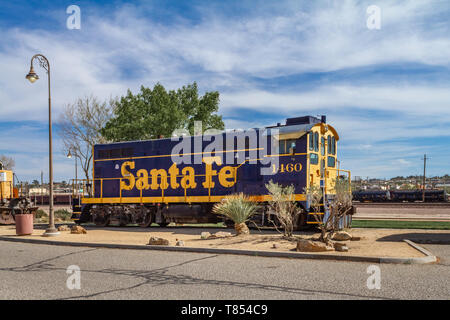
{"x":6,"y":185}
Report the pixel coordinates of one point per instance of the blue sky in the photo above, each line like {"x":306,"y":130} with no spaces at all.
{"x":386,"y":91}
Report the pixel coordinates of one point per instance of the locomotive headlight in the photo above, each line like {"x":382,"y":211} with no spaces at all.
{"x":32,"y":76}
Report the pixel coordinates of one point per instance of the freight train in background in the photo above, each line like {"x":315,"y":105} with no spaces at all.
{"x":179,"y":180}
{"x":12,"y":200}
{"x":400,"y":196}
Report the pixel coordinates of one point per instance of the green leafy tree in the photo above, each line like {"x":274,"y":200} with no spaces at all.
{"x":156,"y":112}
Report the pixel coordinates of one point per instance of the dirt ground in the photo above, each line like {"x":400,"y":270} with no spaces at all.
{"x":373,"y":243}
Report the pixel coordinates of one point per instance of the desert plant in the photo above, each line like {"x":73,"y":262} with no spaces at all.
{"x":339,"y":206}
{"x":238,"y":208}
{"x":342,"y":203}
{"x":284,"y":207}
{"x":63,"y":214}
{"x":41,"y":216}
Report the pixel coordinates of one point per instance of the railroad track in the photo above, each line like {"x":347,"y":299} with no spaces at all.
{"x":403,"y":204}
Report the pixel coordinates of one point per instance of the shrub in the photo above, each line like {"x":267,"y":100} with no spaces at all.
{"x":339,"y":207}
{"x":284,"y":207}
{"x":238,"y":208}
{"x":63,"y":214}
{"x":40,"y":214}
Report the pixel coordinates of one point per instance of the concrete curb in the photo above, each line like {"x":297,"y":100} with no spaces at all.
{"x":429,"y":258}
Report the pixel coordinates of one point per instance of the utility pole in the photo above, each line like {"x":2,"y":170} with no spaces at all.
{"x":424,"y":172}
{"x":42,"y":186}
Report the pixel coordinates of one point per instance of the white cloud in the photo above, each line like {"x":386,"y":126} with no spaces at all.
{"x":114,"y":52}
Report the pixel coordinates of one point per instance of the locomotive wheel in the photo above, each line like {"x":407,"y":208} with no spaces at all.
{"x":147,"y":221}
{"x":101,"y":221}
{"x":123,"y":221}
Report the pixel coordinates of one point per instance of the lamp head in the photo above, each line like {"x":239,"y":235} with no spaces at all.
{"x":32,"y":76}
{"x":69,"y":155}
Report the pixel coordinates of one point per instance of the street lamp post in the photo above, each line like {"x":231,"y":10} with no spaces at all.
{"x":75,"y":183}
{"x":69,"y":155}
{"x":32,"y":77}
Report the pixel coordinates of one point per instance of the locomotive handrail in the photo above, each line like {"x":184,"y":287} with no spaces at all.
{"x":348,"y":173}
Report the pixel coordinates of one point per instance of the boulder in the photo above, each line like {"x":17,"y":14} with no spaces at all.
{"x":155,"y":241}
{"x":312,"y":246}
{"x":341,"y":247}
{"x":205,"y":235}
{"x":355,"y":238}
{"x":180,"y":243}
{"x":341,"y":236}
{"x":63,"y":228}
{"x":78,"y":230}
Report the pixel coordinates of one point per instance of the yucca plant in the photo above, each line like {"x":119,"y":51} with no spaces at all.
{"x":238,"y":208}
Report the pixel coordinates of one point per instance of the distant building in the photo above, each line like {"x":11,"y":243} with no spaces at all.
{"x":38,"y":191}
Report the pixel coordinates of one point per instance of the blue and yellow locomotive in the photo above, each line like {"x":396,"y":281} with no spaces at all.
{"x":179,"y":179}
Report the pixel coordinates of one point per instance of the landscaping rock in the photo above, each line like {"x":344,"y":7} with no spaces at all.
{"x":155,"y":241}
{"x":312,"y":246}
{"x":341,"y":247}
{"x":221,"y":234}
{"x":205,"y":235}
{"x":78,"y":230}
{"x":341,"y":236}
{"x":355,"y":238}
{"x":180,"y":243}
{"x":274,"y":246}
{"x":63,"y":228}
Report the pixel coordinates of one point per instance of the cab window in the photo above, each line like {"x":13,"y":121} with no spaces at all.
{"x":334,"y":145}
{"x":313,"y":158}
{"x":322,"y":146}
{"x":311,"y":141}
{"x":330,"y":145}
{"x":316,"y":142}
{"x":286,"y":145}
{"x":331,"y":162}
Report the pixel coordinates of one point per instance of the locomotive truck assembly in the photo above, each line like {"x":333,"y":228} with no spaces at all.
{"x":12,"y":202}
{"x":180,"y":179}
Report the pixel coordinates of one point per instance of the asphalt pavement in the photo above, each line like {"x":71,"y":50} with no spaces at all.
{"x":30,"y":271}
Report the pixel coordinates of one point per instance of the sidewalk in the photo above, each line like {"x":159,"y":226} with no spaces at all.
{"x":375,"y":243}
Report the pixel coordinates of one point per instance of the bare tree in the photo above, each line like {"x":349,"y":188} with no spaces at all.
{"x":7,"y":163}
{"x":339,"y":207}
{"x":284,"y":207}
{"x":80,"y":124}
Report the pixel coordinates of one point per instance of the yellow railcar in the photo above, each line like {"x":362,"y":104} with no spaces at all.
{"x":11,"y":202}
